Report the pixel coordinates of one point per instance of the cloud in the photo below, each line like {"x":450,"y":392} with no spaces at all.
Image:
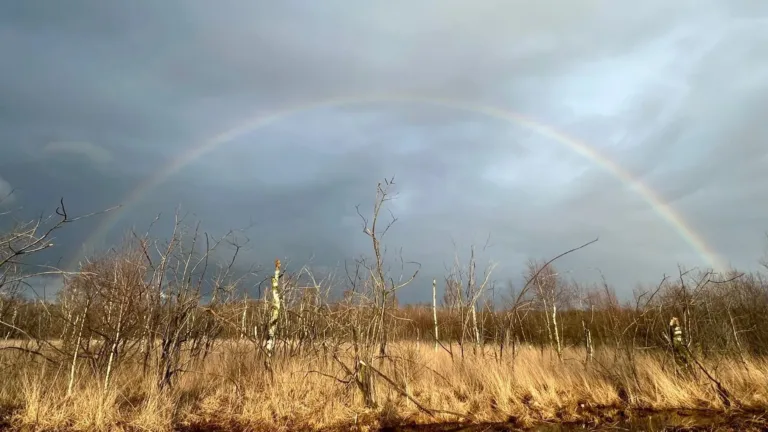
{"x":44,"y":286}
{"x":94,"y":153}
{"x":6,"y":193}
{"x":671,"y":91}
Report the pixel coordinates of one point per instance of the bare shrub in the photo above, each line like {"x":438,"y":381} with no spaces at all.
{"x":168,"y":333}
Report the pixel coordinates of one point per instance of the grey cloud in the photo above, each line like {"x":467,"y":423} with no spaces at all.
{"x":88,"y":150}
{"x":45,"y":286}
{"x":6,"y":192}
{"x":674,"y":92}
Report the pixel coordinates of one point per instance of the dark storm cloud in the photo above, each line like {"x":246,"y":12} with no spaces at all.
{"x":99,"y":96}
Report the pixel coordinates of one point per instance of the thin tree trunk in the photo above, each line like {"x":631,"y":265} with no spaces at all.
{"x":243,"y":319}
{"x":276,"y":306}
{"x":475,"y":327}
{"x":736,"y":336}
{"x":113,"y":351}
{"x":434,"y":311}
{"x":382,"y":324}
{"x":558,"y":346}
{"x":587,"y":342}
{"x":73,"y":367}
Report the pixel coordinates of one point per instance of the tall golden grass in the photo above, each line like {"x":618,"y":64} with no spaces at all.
{"x":232,"y":389}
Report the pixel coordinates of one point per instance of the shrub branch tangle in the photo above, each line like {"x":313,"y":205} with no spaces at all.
{"x":150,"y":321}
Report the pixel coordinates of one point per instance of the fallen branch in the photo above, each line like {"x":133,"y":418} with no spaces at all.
{"x":428,"y":411}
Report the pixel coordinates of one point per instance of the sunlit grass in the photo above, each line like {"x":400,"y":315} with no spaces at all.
{"x":232,"y":386}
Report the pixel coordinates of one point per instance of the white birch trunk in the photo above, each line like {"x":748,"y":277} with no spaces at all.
{"x":434,"y":310}
{"x":113,"y":351}
{"x":73,"y":367}
{"x":276,"y":306}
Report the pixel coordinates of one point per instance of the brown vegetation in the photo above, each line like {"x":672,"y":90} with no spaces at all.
{"x":162,"y":334}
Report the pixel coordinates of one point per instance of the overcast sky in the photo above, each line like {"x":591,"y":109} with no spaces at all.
{"x":98,"y":95}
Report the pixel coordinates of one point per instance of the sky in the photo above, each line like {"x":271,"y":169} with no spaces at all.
{"x":99,"y":96}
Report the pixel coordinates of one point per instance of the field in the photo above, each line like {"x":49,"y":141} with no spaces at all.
{"x":170,"y":334}
{"x":232,"y":388}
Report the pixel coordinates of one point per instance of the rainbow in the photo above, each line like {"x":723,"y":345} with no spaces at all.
{"x":666,"y":212}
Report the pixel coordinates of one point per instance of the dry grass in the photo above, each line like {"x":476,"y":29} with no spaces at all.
{"x":231,"y":387}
